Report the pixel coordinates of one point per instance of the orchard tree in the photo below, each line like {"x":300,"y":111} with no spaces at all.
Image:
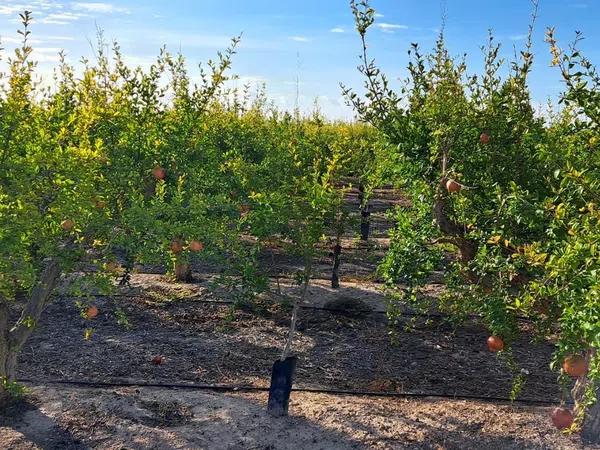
{"x":100,"y":166}
{"x":568,"y":259}
{"x":48,"y":219}
{"x":513,"y":195}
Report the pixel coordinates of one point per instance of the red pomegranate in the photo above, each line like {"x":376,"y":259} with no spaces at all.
{"x":562,"y":418}
{"x":159,"y":173}
{"x":495,"y":344}
{"x":575,"y":366}
{"x":453,"y":186}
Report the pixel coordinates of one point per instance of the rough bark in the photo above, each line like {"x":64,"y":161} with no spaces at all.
{"x":453,"y":231}
{"x":183,"y":272}
{"x":292,"y":330}
{"x":590,"y":432}
{"x":11,"y":341}
{"x":32,"y":311}
{"x":3,"y":349}
{"x":335,"y":274}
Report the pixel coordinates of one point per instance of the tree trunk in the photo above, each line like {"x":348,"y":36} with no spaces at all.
{"x":13,"y":339}
{"x":454,"y":232}
{"x":183,"y":271}
{"x":365,"y":213}
{"x":335,"y":275}
{"x":590,"y":432}
{"x":365,"y":223}
{"x":3,"y":351}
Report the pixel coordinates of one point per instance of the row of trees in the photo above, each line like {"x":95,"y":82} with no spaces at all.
{"x":512,"y":194}
{"x":119,"y":166}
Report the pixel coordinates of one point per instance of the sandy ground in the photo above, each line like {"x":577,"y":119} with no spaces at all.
{"x":149,"y":418}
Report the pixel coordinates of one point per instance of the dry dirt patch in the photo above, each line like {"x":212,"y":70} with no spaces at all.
{"x":131,"y":418}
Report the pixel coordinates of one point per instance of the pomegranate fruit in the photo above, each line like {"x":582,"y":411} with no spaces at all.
{"x":495,"y":344}
{"x":562,"y":418}
{"x":453,"y":186}
{"x":575,"y":366}
{"x":91,"y":312}
{"x":67,"y":224}
{"x":176,"y":246}
{"x":159,"y":173}
{"x":196,"y":246}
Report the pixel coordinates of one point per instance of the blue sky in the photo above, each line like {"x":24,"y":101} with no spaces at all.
{"x":313,"y":40}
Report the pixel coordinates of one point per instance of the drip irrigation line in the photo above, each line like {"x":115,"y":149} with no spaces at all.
{"x":312,"y":390}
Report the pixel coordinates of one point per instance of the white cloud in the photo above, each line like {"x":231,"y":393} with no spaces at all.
{"x":98,"y":8}
{"x":10,"y":10}
{"x":390,"y":27}
{"x":13,"y":9}
{"x":299,"y":38}
{"x":57,"y":38}
{"x":337,"y":30}
{"x":63,"y":18}
{"x":379,"y":15}
{"x":46,"y":54}
{"x":18,"y":40}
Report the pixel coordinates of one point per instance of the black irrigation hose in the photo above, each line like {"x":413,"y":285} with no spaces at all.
{"x":330,"y":391}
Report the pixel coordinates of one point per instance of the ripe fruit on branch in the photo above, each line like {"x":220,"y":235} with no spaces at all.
{"x":562,"y":418}
{"x":495,"y":344}
{"x":196,"y":246}
{"x":67,"y":224}
{"x":453,"y":186}
{"x":484,"y":138}
{"x":100,"y":204}
{"x":575,"y":366}
{"x":158,"y":360}
{"x":159,"y":173}
{"x":176,"y":246}
{"x":91,"y":312}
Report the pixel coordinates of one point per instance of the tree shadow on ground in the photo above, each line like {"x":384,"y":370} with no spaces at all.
{"x":23,"y":424}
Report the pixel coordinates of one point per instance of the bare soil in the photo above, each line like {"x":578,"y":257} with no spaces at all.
{"x":149,"y":418}
{"x":346,"y":343}
{"x":208,"y":342}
